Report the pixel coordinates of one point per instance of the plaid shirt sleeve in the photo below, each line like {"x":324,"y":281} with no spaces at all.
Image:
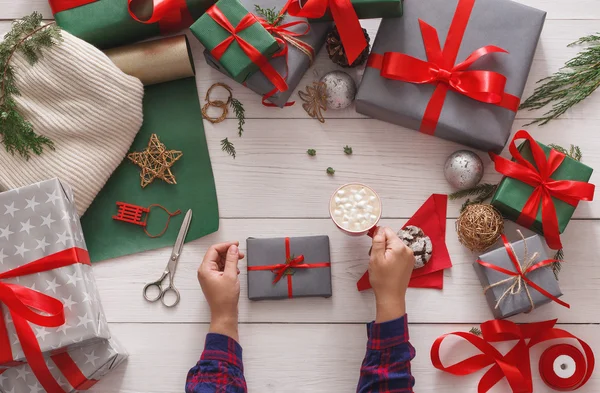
{"x":386,"y":367}
{"x":220,"y":368}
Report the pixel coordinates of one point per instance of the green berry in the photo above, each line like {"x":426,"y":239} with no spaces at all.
{"x":330,"y":171}
{"x":311,"y":152}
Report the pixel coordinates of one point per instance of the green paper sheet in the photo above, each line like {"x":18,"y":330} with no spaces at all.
{"x":235,"y":60}
{"x":172,"y":111}
{"x":512,"y":194}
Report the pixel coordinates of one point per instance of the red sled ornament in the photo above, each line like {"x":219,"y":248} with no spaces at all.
{"x":138,"y":215}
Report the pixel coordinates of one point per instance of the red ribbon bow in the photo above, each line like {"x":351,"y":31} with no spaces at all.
{"x":28,"y":306}
{"x":523,"y":274}
{"x":440,"y":69}
{"x":545,"y":188}
{"x":516,"y":364}
{"x":291,"y":263}
{"x":346,"y":20}
{"x":253,"y":54}
{"x":285,"y":36}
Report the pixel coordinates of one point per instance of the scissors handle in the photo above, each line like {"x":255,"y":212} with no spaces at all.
{"x":159,"y":291}
{"x":170,"y":301}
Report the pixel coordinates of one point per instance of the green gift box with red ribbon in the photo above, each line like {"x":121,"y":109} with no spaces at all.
{"x":110,"y":23}
{"x":237,"y":40}
{"x":541,"y":188}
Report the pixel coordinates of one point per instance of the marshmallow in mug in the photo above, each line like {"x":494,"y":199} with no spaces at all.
{"x":355,"y":207}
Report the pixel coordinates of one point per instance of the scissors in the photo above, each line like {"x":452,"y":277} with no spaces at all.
{"x":170,"y":269}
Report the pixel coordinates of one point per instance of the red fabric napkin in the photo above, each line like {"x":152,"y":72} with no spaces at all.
{"x":431,"y":218}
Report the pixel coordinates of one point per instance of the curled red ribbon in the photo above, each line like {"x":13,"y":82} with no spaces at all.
{"x":346,"y":20}
{"x":515,"y":366}
{"x":291,"y":263}
{"x":28,"y":306}
{"x":545,"y":188}
{"x":171,"y":15}
{"x":440,"y":69}
{"x":523,"y":274}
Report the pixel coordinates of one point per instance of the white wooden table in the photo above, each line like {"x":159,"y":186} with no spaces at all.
{"x":274,"y":189}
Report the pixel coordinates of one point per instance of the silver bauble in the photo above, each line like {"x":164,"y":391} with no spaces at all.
{"x":340,"y":89}
{"x":463,"y":169}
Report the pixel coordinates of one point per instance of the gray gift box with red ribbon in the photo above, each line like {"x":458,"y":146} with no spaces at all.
{"x":299,"y":282}
{"x":298,"y":61}
{"x":92,"y":364}
{"x":41,"y":221}
{"x":505,"y":24}
{"x":517,"y":301}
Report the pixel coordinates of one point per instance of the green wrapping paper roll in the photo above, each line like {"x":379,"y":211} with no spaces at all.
{"x":234,"y":60}
{"x":512,"y":194}
{"x":107,"y":23}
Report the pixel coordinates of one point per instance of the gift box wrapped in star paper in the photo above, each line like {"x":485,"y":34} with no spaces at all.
{"x":517,"y":277}
{"x":48,"y":295}
{"x":288,"y":267}
{"x":303,"y":39}
{"x":76,"y":370}
{"x":110,"y":23}
{"x":455,"y":69}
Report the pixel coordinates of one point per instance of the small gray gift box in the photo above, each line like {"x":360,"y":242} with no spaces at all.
{"x":503,"y":23}
{"x":93,"y":361}
{"x":41,"y":221}
{"x":265,"y":254}
{"x":298,"y":61}
{"x":505,"y":302}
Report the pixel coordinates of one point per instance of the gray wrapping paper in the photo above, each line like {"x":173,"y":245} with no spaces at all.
{"x":37,"y":221}
{"x":305,"y":282}
{"x":298,"y":61}
{"x":518,"y":303}
{"x":509,"y":25}
{"x":94,"y":362}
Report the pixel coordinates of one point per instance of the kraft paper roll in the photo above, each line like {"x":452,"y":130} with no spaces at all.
{"x":158,"y":61}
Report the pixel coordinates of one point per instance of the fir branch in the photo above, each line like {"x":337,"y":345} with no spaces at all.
{"x":228,"y":147}
{"x":330,"y":171}
{"x":557,"y":266}
{"x":271,"y":15}
{"x":480,"y":189}
{"x":347,"y":150}
{"x":475,"y":331}
{"x":579,"y":78}
{"x":29,"y":38}
{"x":574,"y":151}
{"x":240,"y":113}
{"x":311,"y":152}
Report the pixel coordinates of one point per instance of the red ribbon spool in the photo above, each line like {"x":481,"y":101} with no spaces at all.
{"x":571,"y":366}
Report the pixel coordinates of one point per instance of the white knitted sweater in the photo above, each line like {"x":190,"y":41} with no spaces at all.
{"x":89,"y":108}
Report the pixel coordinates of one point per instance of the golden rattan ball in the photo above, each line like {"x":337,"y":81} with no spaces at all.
{"x":479,"y":227}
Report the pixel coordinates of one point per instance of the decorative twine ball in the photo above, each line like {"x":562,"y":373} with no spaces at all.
{"x":479,"y":227}
{"x":419,"y":242}
{"x":463,"y":169}
{"x":340,"y":89}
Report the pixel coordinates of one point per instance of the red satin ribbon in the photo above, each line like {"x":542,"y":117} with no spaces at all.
{"x":515,"y":366}
{"x":519,"y":271}
{"x":253,"y":54}
{"x":67,"y":366}
{"x":545,"y":188}
{"x":440,"y":69}
{"x":284,"y":35}
{"x":28,"y":306}
{"x":296,"y":263}
{"x":171,"y":15}
{"x":64,"y":5}
{"x":346,"y":20}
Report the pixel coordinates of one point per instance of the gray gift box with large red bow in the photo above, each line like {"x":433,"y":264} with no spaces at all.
{"x":502,"y":23}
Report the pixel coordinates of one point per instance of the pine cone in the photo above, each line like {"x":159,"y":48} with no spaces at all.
{"x":336,"y":51}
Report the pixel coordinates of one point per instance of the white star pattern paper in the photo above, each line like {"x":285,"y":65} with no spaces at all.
{"x":94,"y":361}
{"x":31,"y":229}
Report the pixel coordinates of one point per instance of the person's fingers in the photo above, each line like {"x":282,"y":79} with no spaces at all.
{"x":222,"y":248}
{"x":231,"y":261}
{"x":379,"y":242}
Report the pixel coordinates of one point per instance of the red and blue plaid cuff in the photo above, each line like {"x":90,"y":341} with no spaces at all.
{"x":223,"y":349}
{"x":387,"y":334}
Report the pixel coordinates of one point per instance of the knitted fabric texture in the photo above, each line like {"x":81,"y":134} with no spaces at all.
{"x":89,"y":108}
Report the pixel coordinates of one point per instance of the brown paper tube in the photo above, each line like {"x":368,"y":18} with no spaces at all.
{"x":158,"y":61}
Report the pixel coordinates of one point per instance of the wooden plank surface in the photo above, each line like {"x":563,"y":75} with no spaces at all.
{"x":274,"y":189}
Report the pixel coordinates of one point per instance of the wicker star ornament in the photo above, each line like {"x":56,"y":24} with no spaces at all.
{"x":156,"y":162}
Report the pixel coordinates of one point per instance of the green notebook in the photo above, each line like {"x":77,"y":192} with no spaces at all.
{"x":172,"y":111}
